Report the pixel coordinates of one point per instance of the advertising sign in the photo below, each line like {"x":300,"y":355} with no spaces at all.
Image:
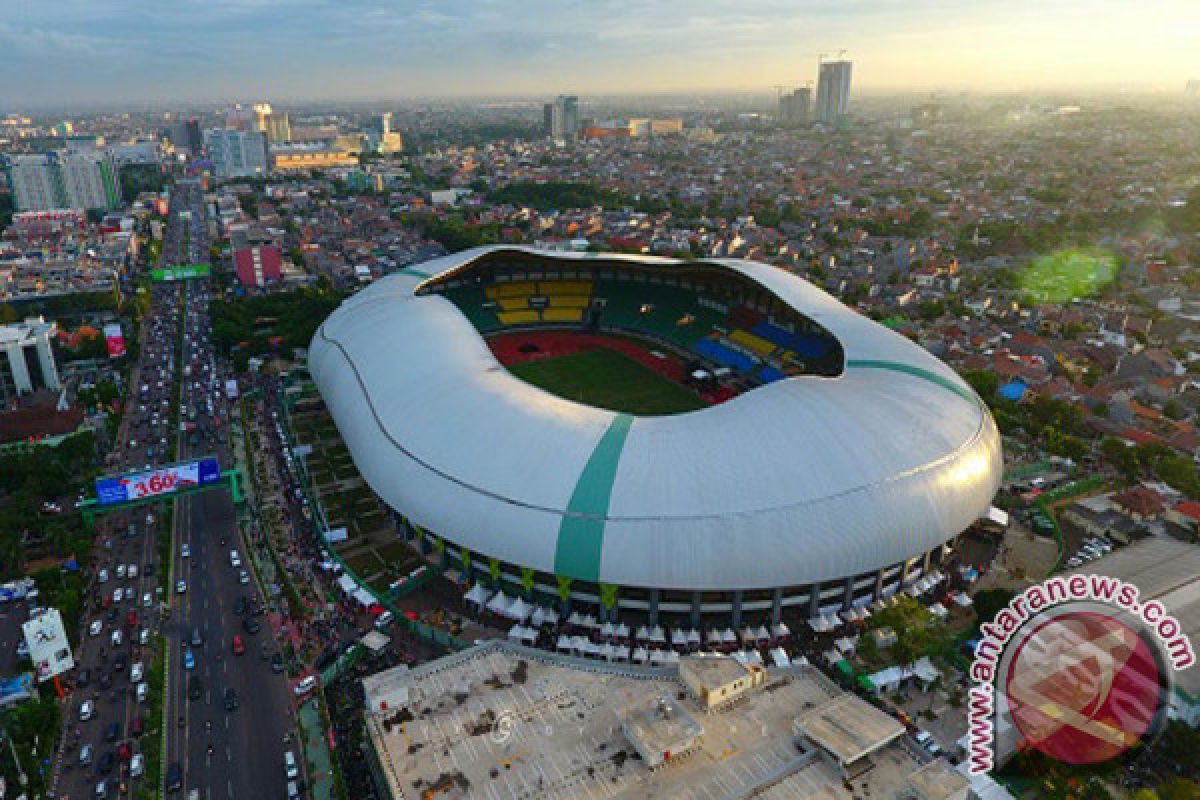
{"x":335,"y":535}
{"x":164,"y":480}
{"x":181,"y":273}
{"x":231,"y":389}
{"x":49,"y":649}
{"x":114,"y":339}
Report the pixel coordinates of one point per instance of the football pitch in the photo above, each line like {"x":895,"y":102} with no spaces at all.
{"x":608,"y":379}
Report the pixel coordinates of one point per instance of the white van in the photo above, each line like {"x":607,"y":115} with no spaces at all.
{"x":142,"y":689}
{"x":234,"y":558}
{"x":306,"y":685}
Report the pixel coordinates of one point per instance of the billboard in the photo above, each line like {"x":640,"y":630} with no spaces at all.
{"x":49,"y":649}
{"x":231,"y":389}
{"x":114,"y":339}
{"x":181,"y":273}
{"x":156,"y":482}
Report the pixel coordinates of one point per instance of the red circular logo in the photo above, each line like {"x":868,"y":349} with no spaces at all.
{"x":1083,"y":687}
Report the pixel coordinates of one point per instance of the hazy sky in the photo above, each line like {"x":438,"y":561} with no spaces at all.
{"x":65,"y":51}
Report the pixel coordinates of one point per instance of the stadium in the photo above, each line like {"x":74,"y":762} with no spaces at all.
{"x":706,"y":442}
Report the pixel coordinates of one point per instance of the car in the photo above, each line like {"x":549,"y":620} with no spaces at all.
{"x":135,"y":672}
{"x":86,"y":710}
{"x":251,"y":625}
{"x":141,"y":691}
{"x":131,"y":619}
{"x":180,"y":587}
{"x":117,"y":595}
{"x":83,"y":677}
{"x":243,"y":577}
{"x":144,"y":636}
{"x":112,"y":732}
{"x":293,"y":791}
{"x":239,"y":646}
{"x":95,"y":628}
{"x":116,"y":638}
{"x":139,"y":725}
{"x":124,"y":752}
{"x":85,"y":755}
{"x":189,"y":660}
{"x":234,"y":559}
{"x":111,"y":616}
{"x":290,"y":768}
{"x":231,"y":699}
{"x":174,"y":777}
{"x":195,"y":688}
{"x":119,"y":662}
{"x":185,"y":550}
{"x":306,"y":685}
{"x":103,"y":576}
{"x":277,"y":663}
{"x":137,"y":765}
{"x":147,"y":600}
{"x":101,"y":789}
{"x":120,"y":570}
{"x":197,"y":639}
{"x":129,"y":593}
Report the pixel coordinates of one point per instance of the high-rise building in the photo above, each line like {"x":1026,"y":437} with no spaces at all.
{"x":380,"y":136}
{"x":64,"y":179}
{"x":833,"y":90}
{"x":236,"y":153}
{"x":27,"y":359}
{"x":794,"y":105}
{"x":561,"y":117}
{"x":278,"y":127}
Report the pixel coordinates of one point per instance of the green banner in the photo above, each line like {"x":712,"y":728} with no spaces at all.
{"x":181,"y":273}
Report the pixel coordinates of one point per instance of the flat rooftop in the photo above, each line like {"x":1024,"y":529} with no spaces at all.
{"x":849,"y":728}
{"x":1166,"y":570}
{"x":502,"y":721}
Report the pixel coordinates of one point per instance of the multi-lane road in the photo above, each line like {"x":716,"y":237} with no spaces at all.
{"x":228,"y":717}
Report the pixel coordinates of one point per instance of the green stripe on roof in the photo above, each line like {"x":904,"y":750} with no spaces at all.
{"x":581,"y":532}
{"x":416,"y":273}
{"x":919,"y":372}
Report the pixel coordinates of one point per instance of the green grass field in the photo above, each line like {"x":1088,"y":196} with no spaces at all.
{"x":608,"y":379}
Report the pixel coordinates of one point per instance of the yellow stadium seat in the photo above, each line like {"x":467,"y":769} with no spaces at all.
{"x":513,"y":303}
{"x":566,"y":287}
{"x":569,"y":301}
{"x":517,"y":317}
{"x":752,"y":342}
{"x":516,"y":289}
{"x":562,"y":315}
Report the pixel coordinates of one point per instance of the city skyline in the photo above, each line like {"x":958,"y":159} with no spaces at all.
{"x":98,"y":53}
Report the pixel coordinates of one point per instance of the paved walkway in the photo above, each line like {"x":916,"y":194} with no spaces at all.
{"x":316,"y":751}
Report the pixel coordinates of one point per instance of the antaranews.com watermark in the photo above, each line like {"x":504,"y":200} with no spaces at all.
{"x":1076,"y":667}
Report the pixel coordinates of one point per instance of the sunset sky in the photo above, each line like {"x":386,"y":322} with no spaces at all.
{"x":97,"y":51}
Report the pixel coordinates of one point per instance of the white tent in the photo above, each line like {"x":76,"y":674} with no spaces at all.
{"x":728,"y":636}
{"x":347,"y":584}
{"x":640,"y":655}
{"x":678,"y":638}
{"x":818,"y":624}
{"x":658,"y":657}
{"x":671,"y":657}
{"x":762,"y":634}
{"x":364,"y":597}
{"x":606,"y":630}
{"x":779,"y":657}
{"x":575,"y":619}
{"x":587,"y":621}
{"x":622,"y":631}
{"x":748,"y":635}
{"x":657,"y":635}
{"x":714,"y":636}
{"x":693,"y":636}
{"x":516,"y":632}
{"x":621,"y":653}
{"x":564,"y":643}
{"x":643,"y":633}
{"x":519,"y":610}
{"x":499,"y":604}
{"x":477,"y":595}
{"x":938,"y":610}
{"x":781,"y":630}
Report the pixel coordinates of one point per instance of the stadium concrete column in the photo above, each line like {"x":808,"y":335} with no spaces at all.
{"x":814,"y":600}
{"x":925,"y":562}
{"x":879,"y":583}
{"x":652,"y":607}
{"x":696,"y":600}
{"x":777,"y":605}
{"x":848,"y":594}
{"x":737,"y":608}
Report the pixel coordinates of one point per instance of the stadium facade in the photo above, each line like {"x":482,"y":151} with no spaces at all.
{"x":841,"y":473}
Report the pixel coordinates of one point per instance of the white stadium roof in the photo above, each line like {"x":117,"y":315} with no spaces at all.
{"x":801,"y":480}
